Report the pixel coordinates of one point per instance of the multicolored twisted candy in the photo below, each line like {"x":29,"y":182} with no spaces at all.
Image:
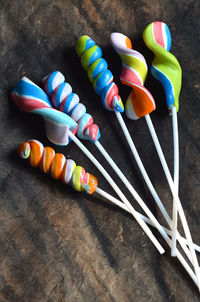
{"x":99,"y":74}
{"x":68,"y":102}
{"x":134,"y":71}
{"x":58,"y":166}
{"x":165,"y":67}
{"x":30,"y":98}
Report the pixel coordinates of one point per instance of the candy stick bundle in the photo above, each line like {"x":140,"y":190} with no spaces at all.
{"x":70,"y":119}
{"x":59,"y":126}
{"x":63,"y":99}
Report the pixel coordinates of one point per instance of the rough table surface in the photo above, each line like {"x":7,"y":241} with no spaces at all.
{"x":63,"y":246}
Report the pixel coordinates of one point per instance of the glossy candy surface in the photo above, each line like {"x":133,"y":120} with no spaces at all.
{"x":30,"y":98}
{"x":68,"y":102}
{"x":165,"y":67}
{"x":58,"y":166}
{"x":99,"y":74}
{"x":134,"y":71}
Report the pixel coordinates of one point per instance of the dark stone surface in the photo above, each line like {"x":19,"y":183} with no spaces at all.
{"x":59,"y":245}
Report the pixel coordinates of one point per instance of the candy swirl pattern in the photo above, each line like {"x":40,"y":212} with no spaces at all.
{"x":99,"y":74}
{"x":165,"y":67}
{"x":58,"y":166}
{"x":30,"y":98}
{"x":134,"y":71}
{"x":68,"y":102}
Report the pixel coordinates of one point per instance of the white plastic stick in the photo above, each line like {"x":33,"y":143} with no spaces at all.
{"x":176,"y":178}
{"x":130,"y":188}
{"x":175,"y":196}
{"x":143,"y":225}
{"x":146,"y":219}
{"x":148,"y":181}
{"x":167,"y":239}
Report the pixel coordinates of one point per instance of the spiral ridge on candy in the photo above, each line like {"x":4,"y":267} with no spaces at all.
{"x":165,"y":67}
{"x":68,"y":102}
{"x":99,"y":74}
{"x":58,"y":166}
{"x":30,"y":98}
{"x":134,"y":71}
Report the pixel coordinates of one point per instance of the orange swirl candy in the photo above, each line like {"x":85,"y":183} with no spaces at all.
{"x":134,"y":71}
{"x":58,"y":166}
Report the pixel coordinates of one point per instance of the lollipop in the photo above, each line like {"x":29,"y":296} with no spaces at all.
{"x":134,"y":71}
{"x":58,"y":166}
{"x":55,"y":86}
{"x":99,"y":74}
{"x":166,"y":69}
{"x":66,"y":170}
{"x":159,"y":150}
{"x":68,"y":102}
{"x":35,"y":105}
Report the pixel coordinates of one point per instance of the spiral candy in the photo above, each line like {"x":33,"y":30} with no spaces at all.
{"x":68,"y":102}
{"x":58,"y":166}
{"x":30,"y":98}
{"x":165,"y":67}
{"x":134,"y":71}
{"x":99,"y":75}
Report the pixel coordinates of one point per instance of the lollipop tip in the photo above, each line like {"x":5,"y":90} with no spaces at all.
{"x":24,"y":150}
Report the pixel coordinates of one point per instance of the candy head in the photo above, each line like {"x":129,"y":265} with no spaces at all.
{"x":98,"y":74}
{"x":30,"y":98}
{"x":58,"y":166}
{"x":134,"y":71}
{"x":165,"y":67}
{"x":68,"y":102}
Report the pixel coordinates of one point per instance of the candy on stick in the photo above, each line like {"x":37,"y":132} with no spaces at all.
{"x":65,"y":169}
{"x":99,"y":74}
{"x":118,"y":41}
{"x":91,"y":58}
{"x":134,"y":70}
{"x":68,"y":102}
{"x":58,"y":166}
{"x":166,"y":69}
{"x":31,"y":98}
{"x":62,"y":98}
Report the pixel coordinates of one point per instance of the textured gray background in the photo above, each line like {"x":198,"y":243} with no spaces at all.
{"x":59,"y":245}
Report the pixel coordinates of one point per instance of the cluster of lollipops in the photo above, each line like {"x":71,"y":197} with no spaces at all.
{"x":65,"y":117}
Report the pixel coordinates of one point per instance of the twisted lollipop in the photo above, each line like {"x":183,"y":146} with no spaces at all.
{"x":68,"y":102}
{"x":30,"y":98}
{"x":134,"y":71}
{"x":58,"y":166}
{"x":99,"y":74}
{"x":133,"y":65}
{"x":166,"y":69}
{"x":66,"y":170}
{"x":38,"y":102}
